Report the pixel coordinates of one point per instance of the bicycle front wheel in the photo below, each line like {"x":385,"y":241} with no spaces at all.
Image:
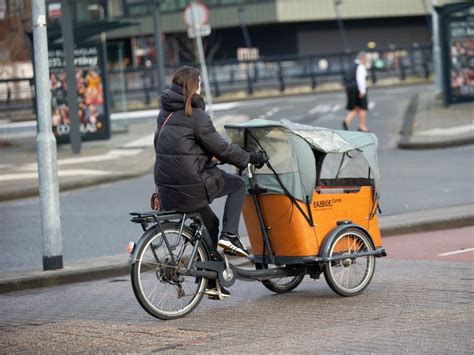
{"x":161,"y":285}
{"x":282,"y":284}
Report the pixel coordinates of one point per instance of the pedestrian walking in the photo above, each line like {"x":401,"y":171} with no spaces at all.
{"x":188,"y":149}
{"x":355,"y":80}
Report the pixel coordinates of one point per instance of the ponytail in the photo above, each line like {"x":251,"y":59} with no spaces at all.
{"x":188,"y":109}
{"x":188,"y":78}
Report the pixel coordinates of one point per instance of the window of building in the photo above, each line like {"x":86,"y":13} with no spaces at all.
{"x":136,"y":7}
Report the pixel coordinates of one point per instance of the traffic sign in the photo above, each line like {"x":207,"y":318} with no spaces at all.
{"x":202,"y":31}
{"x":201,"y":14}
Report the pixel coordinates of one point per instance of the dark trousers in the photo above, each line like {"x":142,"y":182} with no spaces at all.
{"x":234,"y":188}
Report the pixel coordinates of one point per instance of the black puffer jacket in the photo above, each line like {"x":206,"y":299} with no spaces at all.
{"x":187,"y":176}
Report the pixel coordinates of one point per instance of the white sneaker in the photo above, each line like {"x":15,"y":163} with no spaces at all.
{"x":232,"y":245}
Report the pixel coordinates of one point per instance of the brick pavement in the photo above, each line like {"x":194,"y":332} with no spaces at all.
{"x":410,"y":306}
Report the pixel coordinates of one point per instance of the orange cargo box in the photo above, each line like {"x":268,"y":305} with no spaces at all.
{"x":289,"y":232}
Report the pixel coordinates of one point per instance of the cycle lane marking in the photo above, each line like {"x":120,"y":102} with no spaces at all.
{"x":456,"y":252}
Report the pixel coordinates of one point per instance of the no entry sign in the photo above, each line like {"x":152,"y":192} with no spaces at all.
{"x":201,"y":15}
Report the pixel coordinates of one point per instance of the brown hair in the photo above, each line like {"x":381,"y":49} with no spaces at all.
{"x":188,"y":78}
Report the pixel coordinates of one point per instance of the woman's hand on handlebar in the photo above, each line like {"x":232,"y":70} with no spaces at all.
{"x":258,"y":159}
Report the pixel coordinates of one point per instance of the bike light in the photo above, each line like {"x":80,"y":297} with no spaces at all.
{"x":130,"y":247}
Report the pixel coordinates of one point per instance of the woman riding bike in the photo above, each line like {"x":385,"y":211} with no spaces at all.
{"x":188,"y":149}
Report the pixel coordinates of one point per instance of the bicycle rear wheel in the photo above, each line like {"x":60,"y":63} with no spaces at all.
{"x":350,"y":275}
{"x":165,"y":290}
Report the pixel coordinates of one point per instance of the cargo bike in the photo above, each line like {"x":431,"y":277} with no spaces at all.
{"x":311,"y":210}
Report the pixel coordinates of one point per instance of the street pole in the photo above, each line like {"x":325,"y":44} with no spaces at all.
{"x":123,"y":94}
{"x":340,"y":25}
{"x":243,"y":27}
{"x":68,"y":48}
{"x":160,"y":58}
{"x":105,"y":76}
{"x":436,"y":50}
{"x":46,"y":146}
{"x":202,"y":60}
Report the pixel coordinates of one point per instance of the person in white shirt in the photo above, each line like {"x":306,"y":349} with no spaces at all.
{"x":356,"y":89}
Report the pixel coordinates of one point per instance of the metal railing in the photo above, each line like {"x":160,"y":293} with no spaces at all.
{"x":15,"y":90}
{"x":281,"y":73}
{"x":137,"y":85}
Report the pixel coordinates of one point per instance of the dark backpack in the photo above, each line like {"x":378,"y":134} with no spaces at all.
{"x":349,"y":75}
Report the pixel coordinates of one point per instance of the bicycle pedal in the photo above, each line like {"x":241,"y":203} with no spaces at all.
{"x":216,"y":294}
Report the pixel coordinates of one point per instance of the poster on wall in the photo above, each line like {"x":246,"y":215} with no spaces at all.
{"x":461,"y":57}
{"x":91,"y":105}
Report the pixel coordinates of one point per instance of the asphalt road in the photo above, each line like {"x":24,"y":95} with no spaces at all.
{"x":95,"y":220}
{"x":419,"y":305}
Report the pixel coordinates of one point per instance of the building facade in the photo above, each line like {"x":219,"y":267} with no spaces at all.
{"x":281,"y":27}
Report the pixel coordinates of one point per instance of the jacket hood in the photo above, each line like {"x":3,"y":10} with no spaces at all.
{"x":172,"y":99}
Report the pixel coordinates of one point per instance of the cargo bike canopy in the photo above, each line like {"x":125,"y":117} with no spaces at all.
{"x":303,"y":157}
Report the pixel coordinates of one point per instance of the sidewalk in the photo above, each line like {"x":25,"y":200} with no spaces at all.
{"x":430,"y":125}
{"x":129,"y":153}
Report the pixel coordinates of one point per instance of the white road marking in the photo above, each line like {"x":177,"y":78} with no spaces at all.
{"x":118,"y":116}
{"x":371,"y":105}
{"x":269,"y":113}
{"x":336,"y":107}
{"x":457,"y":252}
{"x":110,"y":155}
{"x":133,"y":115}
{"x":143,"y":142}
{"x":224,"y":106}
{"x":61,"y":173}
{"x":446,"y":131}
{"x":24,"y":124}
{"x":154,"y":113}
{"x":322,"y":108}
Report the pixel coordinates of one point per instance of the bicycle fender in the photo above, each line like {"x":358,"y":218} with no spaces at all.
{"x":324,"y":250}
{"x":156,"y":228}
{"x":132,"y":258}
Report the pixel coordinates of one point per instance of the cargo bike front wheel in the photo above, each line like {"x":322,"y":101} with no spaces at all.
{"x":282,"y":284}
